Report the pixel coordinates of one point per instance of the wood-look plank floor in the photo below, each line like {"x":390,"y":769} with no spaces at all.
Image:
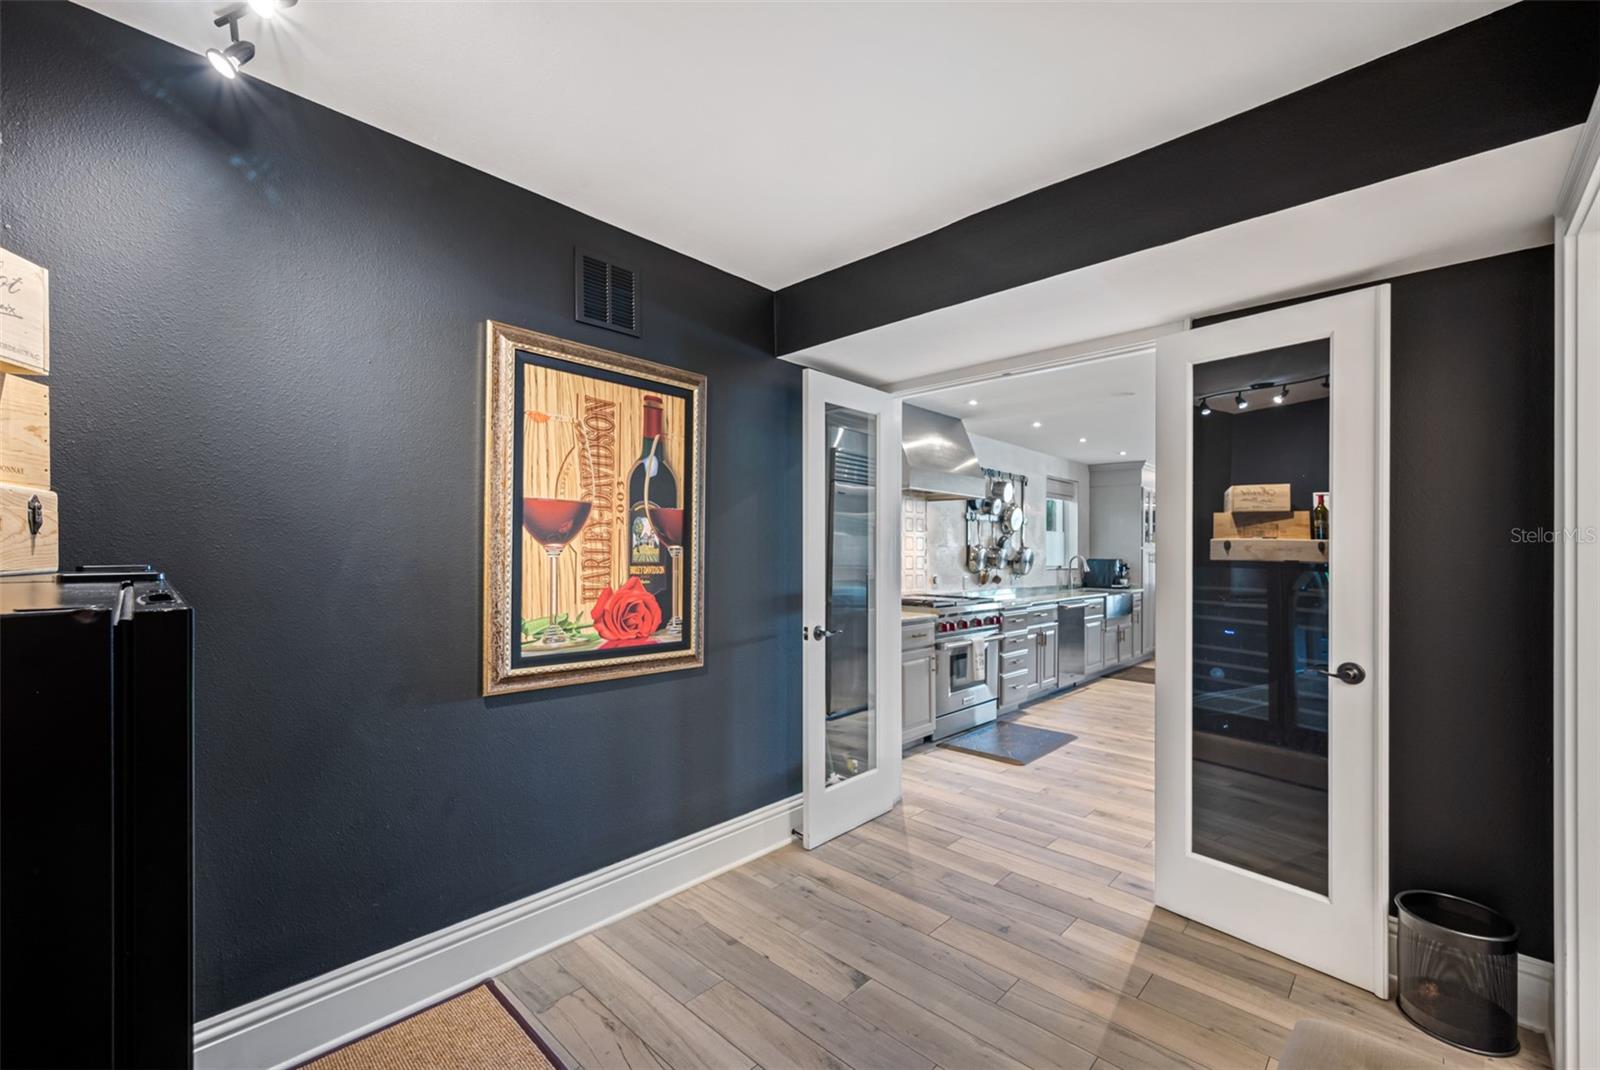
{"x":1000,"y":917}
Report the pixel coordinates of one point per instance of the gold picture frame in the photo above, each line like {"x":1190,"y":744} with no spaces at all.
{"x":563,"y":483}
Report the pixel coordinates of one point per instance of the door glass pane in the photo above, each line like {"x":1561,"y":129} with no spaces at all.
{"x":1261,"y":601}
{"x":852,"y":532}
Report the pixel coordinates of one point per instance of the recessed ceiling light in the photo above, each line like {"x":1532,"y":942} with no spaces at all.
{"x":1083,"y":440}
{"x":1122,"y":453}
{"x":1036,"y":423}
{"x":972,"y":401}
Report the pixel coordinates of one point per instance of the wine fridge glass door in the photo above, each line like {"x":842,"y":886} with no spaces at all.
{"x":851,"y":633}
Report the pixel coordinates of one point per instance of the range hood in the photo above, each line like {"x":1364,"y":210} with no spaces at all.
{"x":937,"y":459}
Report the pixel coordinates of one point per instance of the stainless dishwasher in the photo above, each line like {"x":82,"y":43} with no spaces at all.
{"x":1070,"y":623}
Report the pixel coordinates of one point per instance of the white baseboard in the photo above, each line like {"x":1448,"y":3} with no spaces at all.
{"x":1535,"y":978}
{"x":316,"y":1015}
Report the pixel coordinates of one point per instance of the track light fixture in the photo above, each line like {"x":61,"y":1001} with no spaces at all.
{"x":227,"y":61}
{"x":1279,"y":393}
{"x":268,"y":8}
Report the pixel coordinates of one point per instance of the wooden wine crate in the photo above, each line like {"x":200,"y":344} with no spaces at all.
{"x":1296,"y":525}
{"x":1310,"y":550}
{"x":1257,"y":498}
{"x":24,"y":431}
{"x":22,"y":548}
{"x":24,"y":315}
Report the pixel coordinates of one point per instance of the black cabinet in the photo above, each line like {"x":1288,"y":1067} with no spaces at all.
{"x":96,"y":919}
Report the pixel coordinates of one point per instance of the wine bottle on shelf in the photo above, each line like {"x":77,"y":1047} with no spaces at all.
{"x":651,"y":484}
{"x":1319,"y":518}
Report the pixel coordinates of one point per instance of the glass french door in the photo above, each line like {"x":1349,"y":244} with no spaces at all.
{"x":851,"y":605}
{"x":1271,"y":725}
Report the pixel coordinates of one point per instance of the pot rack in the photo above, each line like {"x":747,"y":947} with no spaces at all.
{"x":985,"y":531}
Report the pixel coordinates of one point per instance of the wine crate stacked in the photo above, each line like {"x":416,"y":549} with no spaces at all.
{"x":28,"y":517}
{"x":1257,"y":523}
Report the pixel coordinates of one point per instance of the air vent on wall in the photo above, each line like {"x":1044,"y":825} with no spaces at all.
{"x":607,"y":294}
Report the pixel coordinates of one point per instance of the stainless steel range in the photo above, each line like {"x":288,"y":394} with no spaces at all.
{"x":966,"y":646}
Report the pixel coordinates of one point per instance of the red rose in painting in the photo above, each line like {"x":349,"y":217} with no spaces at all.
{"x":628,"y":614}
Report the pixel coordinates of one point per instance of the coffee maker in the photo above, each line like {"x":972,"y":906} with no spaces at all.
{"x":1106,"y":572}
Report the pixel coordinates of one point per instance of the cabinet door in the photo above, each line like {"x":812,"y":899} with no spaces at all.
{"x":1138,"y":633}
{"x":1094,"y":656}
{"x":916,"y":694}
{"x":1049,"y":666}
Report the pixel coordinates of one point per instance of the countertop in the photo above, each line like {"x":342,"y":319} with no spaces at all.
{"x":1024,"y":597}
{"x":1032,"y":596}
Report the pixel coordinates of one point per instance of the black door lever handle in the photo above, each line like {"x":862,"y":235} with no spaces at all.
{"x":1348,"y":671}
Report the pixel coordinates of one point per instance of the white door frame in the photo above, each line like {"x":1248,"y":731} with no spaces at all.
{"x":1265,"y":912}
{"x":829,"y":811}
{"x":1575,"y":1011}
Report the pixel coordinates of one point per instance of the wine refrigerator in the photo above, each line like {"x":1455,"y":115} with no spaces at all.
{"x":96,"y":842}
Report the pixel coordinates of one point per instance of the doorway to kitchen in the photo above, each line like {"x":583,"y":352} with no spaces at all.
{"x":1037,"y":583}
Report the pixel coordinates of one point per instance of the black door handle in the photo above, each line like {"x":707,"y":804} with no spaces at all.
{"x":1348,"y":671}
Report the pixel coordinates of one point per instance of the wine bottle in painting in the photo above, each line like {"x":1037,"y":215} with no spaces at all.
{"x":651,"y":485}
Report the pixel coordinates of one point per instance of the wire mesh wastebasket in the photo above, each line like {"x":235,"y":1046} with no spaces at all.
{"x":1458,"y":971}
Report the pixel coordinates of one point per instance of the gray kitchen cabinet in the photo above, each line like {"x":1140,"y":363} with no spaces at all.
{"x":919,"y":669}
{"x":1019,"y":668}
{"x":1048,"y":657}
{"x":1140,"y":635}
{"x":1094,"y":651}
{"x":916,"y":695}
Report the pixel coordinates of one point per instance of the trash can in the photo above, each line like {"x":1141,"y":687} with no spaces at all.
{"x":1458,"y":971}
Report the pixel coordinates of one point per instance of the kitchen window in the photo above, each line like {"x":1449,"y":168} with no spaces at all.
{"x":1060,"y":522}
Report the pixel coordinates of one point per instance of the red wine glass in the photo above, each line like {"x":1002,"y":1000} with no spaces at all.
{"x":555,"y":521}
{"x":668,"y":525}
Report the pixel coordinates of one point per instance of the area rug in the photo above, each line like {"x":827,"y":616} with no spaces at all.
{"x":477,"y":1030}
{"x":1135,"y":674}
{"x":1009,"y":742}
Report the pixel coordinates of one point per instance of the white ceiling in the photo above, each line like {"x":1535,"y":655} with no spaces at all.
{"x":1112,"y":403}
{"x":1478,"y":206}
{"x":778,"y":140}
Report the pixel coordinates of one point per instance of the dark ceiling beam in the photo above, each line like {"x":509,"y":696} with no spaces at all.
{"x":1518,"y":73}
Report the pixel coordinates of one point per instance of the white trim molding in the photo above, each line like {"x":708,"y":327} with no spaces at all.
{"x":1575,"y":1025}
{"x":1535,"y":978}
{"x":299,"y":1022}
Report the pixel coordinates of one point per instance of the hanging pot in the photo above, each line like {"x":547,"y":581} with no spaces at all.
{"x":1004,"y":549}
{"x":1003,"y":489}
{"x":1025,"y":561}
{"x":974,"y":558}
{"x":1011,"y":519}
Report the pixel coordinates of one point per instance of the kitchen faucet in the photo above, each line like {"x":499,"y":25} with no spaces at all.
{"x":1069,"y":569}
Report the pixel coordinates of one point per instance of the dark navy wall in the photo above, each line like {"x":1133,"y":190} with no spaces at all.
{"x":267,"y":380}
{"x":1470,"y":606}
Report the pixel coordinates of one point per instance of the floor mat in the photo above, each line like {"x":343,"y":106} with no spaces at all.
{"x":476,"y":1029}
{"x":1135,"y":674}
{"x":1009,"y":742}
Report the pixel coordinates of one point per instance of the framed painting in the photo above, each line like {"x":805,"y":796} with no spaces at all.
{"x":594,"y":468}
